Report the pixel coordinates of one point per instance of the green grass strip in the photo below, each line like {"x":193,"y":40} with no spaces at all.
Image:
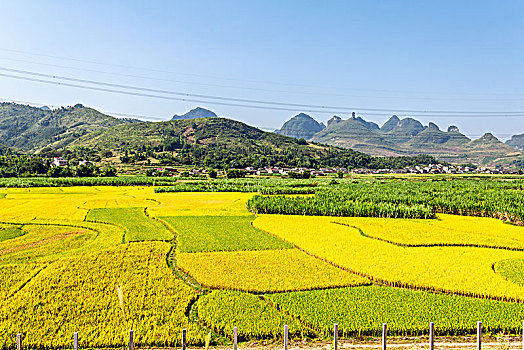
{"x":138,"y":226}
{"x":221,"y":233}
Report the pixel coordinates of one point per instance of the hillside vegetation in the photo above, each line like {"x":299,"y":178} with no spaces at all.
{"x":200,"y":138}
{"x":220,"y":142}
{"x":30,"y":128}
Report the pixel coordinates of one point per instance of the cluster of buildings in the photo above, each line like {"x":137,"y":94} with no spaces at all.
{"x":283,"y":171}
{"x":59,"y":161}
{"x":430,"y":169}
{"x":286,"y":171}
{"x":438,"y":169}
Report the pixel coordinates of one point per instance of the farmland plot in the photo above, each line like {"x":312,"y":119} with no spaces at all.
{"x":221,"y":233}
{"x":463,"y":270}
{"x":265,"y":271}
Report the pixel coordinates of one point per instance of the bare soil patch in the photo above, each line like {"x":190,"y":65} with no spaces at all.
{"x":42,"y":242}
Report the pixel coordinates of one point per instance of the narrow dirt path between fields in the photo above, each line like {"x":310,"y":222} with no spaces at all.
{"x":512,"y":343}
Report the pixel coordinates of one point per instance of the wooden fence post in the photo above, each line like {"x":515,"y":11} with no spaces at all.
{"x":431,"y":336}
{"x":184,"y":339}
{"x":75,"y":341}
{"x":522,"y":335}
{"x":384,"y":335}
{"x":235,"y":335}
{"x":19,"y":341}
{"x":131,"y":345}
{"x":335,"y":336}
{"x":479,"y":335}
{"x":285,"y":336}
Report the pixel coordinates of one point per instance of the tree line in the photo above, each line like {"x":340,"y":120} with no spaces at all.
{"x":12,"y":165}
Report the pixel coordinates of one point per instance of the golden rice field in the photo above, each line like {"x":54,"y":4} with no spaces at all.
{"x":79,"y":294}
{"x":462,"y":270}
{"x":104,"y":260}
{"x":265,"y":271}
{"x":445,"y":230}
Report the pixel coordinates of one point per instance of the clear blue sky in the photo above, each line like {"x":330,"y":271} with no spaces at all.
{"x":423,"y":55}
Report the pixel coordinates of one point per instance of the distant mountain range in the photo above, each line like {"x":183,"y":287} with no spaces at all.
{"x":209,"y":141}
{"x":405,"y":136}
{"x":200,"y":137}
{"x":196,"y":113}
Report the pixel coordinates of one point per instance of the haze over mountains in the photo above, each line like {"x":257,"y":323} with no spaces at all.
{"x":406,"y":136}
{"x":31,"y":129}
{"x":516,"y":141}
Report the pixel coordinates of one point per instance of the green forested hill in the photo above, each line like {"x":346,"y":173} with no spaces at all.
{"x":30,"y":128}
{"x":82,"y":133}
{"x":3,"y":149}
{"x":220,"y":142}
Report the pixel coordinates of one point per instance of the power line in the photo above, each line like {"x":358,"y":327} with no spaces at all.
{"x":119,"y":114}
{"x":127,"y":115}
{"x":161,"y":97}
{"x":266,"y":90}
{"x":225,"y":78}
{"x":251,"y":103}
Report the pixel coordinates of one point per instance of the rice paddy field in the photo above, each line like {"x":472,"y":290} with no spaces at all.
{"x":258,"y":255}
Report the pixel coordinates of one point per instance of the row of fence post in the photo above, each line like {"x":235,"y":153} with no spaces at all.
{"x":286,"y":337}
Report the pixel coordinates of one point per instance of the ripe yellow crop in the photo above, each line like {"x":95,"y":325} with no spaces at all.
{"x":265,"y":271}
{"x":200,"y":204}
{"x":445,"y":230}
{"x":463,"y":270}
{"x":80,"y":294}
{"x":42,"y":243}
{"x":13,"y":277}
{"x":66,"y":265}
{"x":70,"y":203}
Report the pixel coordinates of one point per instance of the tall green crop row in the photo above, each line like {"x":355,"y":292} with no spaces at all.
{"x":323,"y":206}
{"x":87,"y":181}
{"x":404,"y":199}
{"x":255,"y":318}
{"x":362,"y":310}
{"x":247,"y":186}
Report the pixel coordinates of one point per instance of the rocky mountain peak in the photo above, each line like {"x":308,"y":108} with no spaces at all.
{"x":195,"y":113}
{"x":390,"y":124}
{"x":301,"y":126}
{"x":488,"y":137}
{"x":433,"y":126}
{"x":334,"y":120}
